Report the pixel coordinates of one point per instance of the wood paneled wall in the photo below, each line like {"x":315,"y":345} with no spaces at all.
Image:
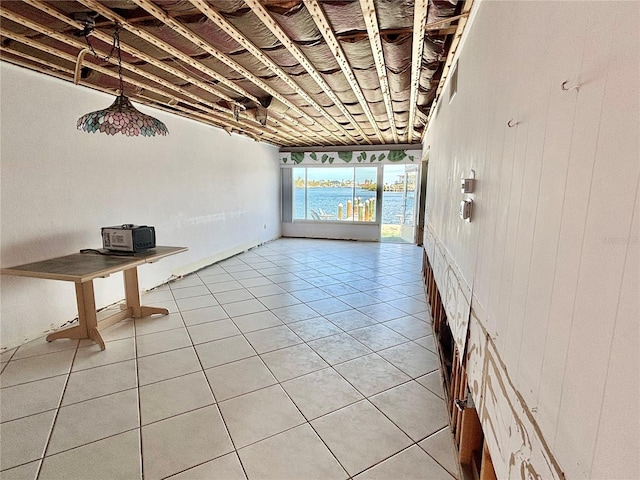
{"x":546,"y":114}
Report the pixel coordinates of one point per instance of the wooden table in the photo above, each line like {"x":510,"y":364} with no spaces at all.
{"x":82,"y":268}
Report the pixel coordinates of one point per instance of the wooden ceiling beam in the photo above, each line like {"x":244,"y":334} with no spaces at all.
{"x":323,"y":25}
{"x":141,"y":55}
{"x":259,"y":10}
{"x":236,"y":35}
{"x":371,"y":21}
{"x":125,"y":48}
{"x":79,"y":45}
{"x":159,"y":14}
{"x":419,"y":21}
{"x":466,"y":9}
{"x":162,"y":45}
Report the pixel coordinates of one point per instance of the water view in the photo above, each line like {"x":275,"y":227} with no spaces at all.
{"x":325,"y":200}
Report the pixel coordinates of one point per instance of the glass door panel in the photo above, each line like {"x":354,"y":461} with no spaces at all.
{"x":398,"y":203}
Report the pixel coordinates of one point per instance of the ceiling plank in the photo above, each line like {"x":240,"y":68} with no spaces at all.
{"x":327,"y":32}
{"x":260,"y":11}
{"x":159,"y":14}
{"x":371,"y":21}
{"x":419,"y":21}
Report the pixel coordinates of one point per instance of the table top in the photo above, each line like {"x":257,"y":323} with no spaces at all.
{"x":82,"y":267}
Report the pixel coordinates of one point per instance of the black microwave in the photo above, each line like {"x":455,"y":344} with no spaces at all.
{"x":128,"y":238}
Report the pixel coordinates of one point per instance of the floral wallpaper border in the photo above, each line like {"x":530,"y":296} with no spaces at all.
{"x":354,"y":156}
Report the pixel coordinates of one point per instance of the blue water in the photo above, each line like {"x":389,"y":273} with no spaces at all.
{"x":328,"y":198}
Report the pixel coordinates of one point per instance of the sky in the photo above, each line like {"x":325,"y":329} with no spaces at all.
{"x":391,"y":173}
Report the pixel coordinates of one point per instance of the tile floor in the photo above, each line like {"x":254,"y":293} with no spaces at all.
{"x":299,"y":359}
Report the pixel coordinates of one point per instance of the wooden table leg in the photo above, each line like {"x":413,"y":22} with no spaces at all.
{"x":132,"y":291}
{"x":87,"y":317}
{"x":132,"y":294}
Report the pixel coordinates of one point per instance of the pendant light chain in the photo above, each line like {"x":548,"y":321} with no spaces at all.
{"x":121,"y":117}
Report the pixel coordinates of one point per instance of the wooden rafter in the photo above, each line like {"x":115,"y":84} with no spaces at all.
{"x":466,"y":9}
{"x":234,"y":33}
{"x":371,"y":21}
{"x":259,"y":10}
{"x":79,"y":45}
{"x":419,"y":21}
{"x":141,"y":55}
{"x":213,"y":118}
{"x":327,"y":32}
{"x":159,"y":14}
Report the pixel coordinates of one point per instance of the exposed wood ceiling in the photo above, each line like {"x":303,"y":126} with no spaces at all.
{"x":287,"y":72}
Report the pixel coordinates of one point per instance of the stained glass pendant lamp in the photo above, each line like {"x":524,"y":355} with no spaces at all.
{"x":121,"y":116}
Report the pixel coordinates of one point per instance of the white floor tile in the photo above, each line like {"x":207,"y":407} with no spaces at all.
{"x":163,"y":366}
{"x":203,"y":315}
{"x":411,"y":358}
{"x":226,"y":467}
{"x":175,"y":396}
{"x":192,"y":303}
{"x":105,"y":380}
{"x":189,"y":292}
{"x":273,"y":459}
{"x":339,"y":348}
{"x":258,"y":415}
{"x":377,"y":337}
{"x":314,"y":328}
{"x":440,"y":446}
{"x":272,"y":338}
{"x":116,"y":458}
{"x":218,"y":352}
{"x":158,"y":323}
{"x":244,"y":308}
{"x":433,"y":381}
{"x":36,"y":368}
{"x":237,"y":378}
{"x":206,"y":332}
{"x":295,"y":313}
{"x":409,"y":327}
{"x":321,"y":392}
{"x":178,"y":443}
{"x":41,"y":346}
{"x":185,"y":282}
{"x":280,"y":300}
{"x":31,"y":398}
{"x":410,"y":463}
{"x":292,"y":362}
{"x":382,"y":312}
{"x":416,"y":410}
{"x":351,"y":320}
{"x":256,"y":321}
{"x":371,"y":374}
{"x":233,"y":296}
{"x":328,"y":306}
{"x":24,"y":440}
{"x":93,"y":420}
{"x":28,"y":471}
{"x":162,"y":341}
{"x":360,"y":436}
{"x":116,"y":351}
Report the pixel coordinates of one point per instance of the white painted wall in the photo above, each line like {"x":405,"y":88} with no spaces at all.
{"x":552,"y":253}
{"x":201,"y":188}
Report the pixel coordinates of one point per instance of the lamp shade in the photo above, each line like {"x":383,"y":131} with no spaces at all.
{"x":121,"y":117}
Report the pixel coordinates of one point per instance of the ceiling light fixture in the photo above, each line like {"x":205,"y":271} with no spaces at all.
{"x":121,"y":116}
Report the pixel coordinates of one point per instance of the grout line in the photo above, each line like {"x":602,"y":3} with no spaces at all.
{"x":55,"y":417}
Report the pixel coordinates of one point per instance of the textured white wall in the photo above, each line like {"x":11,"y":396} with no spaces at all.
{"x":199,"y":187}
{"x":552,"y":253}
